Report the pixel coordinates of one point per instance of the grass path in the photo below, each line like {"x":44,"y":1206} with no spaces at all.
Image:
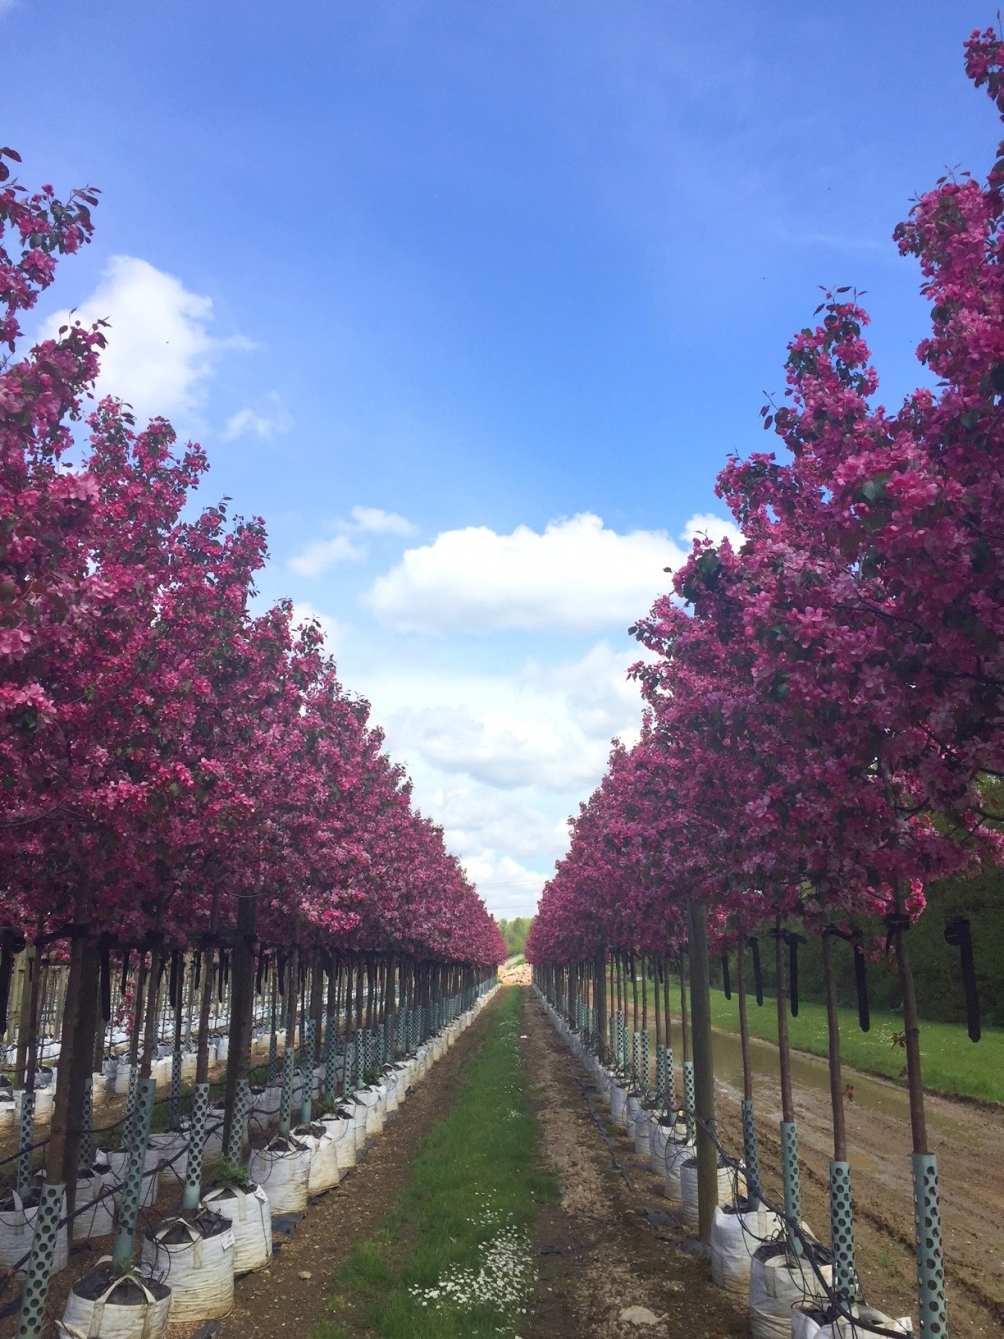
{"x":951,"y":1063}
{"x":453,"y":1259}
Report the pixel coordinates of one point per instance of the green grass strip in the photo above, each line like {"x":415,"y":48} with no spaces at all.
{"x":453,"y":1260}
{"x":950,"y":1062}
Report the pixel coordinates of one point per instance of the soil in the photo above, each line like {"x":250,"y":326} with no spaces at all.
{"x":969,"y":1142}
{"x":612,"y":1242}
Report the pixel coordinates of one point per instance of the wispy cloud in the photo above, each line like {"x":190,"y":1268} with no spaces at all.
{"x":322,"y":554}
{"x":264,"y":425}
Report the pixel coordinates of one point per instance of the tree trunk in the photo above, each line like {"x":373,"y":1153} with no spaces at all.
{"x":76,"y":1052}
{"x":704,"y":1072}
{"x":241,"y":1005}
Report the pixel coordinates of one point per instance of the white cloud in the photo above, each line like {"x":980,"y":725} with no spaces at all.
{"x":375,"y":521}
{"x":160,"y":354}
{"x":476,"y":818}
{"x":544,"y":727}
{"x":265,"y":426}
{"x":508,"y":888}
{"x":322,"y":554}
{"x":578,"y":576}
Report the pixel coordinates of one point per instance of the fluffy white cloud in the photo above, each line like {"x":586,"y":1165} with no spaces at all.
{"x":376,"y":521}
{"x":159,"y":353}
{"x":265,"y":425}
{"x":544,"y":727}
{"x":323,"y":554}
{"x":576,"y":577}
{"x":476,"y":819}
{"x":507,"y":887}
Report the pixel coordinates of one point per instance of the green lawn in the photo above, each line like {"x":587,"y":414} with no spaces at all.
{"x":454,"y":1261}
{"x":951,"y":1063}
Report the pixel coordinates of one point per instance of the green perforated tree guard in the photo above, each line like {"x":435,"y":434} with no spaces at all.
{"x":26,"y":1138}
{"x":39,"y":1271}
{"x":132,"y":1186}
{"x":286,"y":1100}
{"x":670,"y":1081}
{"x":273,"y":1056}
{"x":689,"y":1098}
{"x":196,"y":1146}
{"x":751,"y":1154}
{"x":235,"y":1144}
{"x":307,"y":1070}
{"x":86,"y":1156}
{"x":331,"y":1060}
{"x":792,"y":1184}
{"x":175,"y":1106}
{"x":930,"y":1261}
{"x":845,"y":1279}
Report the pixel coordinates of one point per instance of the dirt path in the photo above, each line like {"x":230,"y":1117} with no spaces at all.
{"x":969,"y":1142}
{"x":611,"y":1243}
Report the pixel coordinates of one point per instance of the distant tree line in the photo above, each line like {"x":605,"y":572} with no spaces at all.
{"x":514,"y":933}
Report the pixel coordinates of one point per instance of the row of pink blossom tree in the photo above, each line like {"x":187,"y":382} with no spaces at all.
{"x":826,"y":697}
{"x":176,"y":768}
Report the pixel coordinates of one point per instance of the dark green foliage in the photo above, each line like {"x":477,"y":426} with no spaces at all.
{"x":514,"y":933}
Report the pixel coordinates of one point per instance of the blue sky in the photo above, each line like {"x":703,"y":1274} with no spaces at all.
{"x":470,"y":299}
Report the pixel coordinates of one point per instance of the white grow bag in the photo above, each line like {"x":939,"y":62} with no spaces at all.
{"x":120,"y":1084}
{"x":250,"y":1217}
{"x":17,"y":1231}
{"x":676,"y":1155}
{"x":734,"y":1238}
{"x":129,"y":1307}
{"x":171,"y":1147}
{"x":323,"y":1173}
{"x":198,"y":1269}
{"x":810,"y":1323}
{"x":342,"y":1129}
{"x":618,"y":1105}
{"x":93,"y":1216}
{"x":778,"y":1282}
{"x":282,"y":1169}
{"x":728,"y":1190}
{"x":44,"y":1101}
{"x":643,"y":1128}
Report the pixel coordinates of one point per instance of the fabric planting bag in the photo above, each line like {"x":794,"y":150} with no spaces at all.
{"x":250,"y":1216}
{"x":735,"y":1234}
{"x":194,"y":1256}
{"x":618,"y":1105}
{"x":323,"y":1173}
{"x":93,"y":1215}
{"x":282,"y":1169}
{"x":812,"y":1322}
{"x":44,"y":1098}
{"x":342,"y":1129}
{"x":662,"y":1131}
{"x":266,"y":1101}
{"x":171,"y":1147}
{"x":779,"y":1281}
{"x":677,"y":1154}
{"x":17,"y":1231}
{"x":643,"y":1134}
{"x":120,"y":1082}
{"x":7,"y":1109}
{"x":633,"y":1113}
{"x":102,"y":1306}
{"x":730,"y":1184}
